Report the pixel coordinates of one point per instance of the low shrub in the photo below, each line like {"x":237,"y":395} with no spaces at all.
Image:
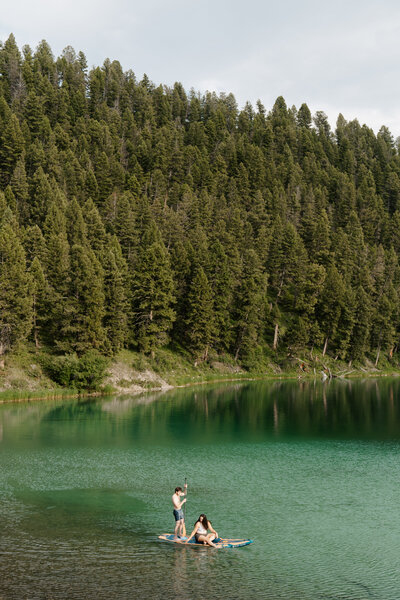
{"x":82,"y":373}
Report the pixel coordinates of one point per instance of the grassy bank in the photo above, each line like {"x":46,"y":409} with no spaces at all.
{"x":178,"y":368}
{"x":24,"y":377}
{"x":38,"y":394}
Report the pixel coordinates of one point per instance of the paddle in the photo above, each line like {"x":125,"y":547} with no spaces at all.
{"x":184,"y":509}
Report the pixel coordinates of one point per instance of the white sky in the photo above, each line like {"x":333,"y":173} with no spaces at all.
{"x":341,"y":56}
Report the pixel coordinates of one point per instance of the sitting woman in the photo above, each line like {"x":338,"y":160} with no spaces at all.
{"x":200,"y":532}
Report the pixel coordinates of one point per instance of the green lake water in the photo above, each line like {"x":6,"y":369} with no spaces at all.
{"x":309,"y":471}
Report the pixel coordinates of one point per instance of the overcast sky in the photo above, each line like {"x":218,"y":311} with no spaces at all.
{"x":339,"y":57}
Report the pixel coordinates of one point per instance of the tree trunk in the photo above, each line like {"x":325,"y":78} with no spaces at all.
{"x":377,"y":356}
{"x":239,"y":345}
{"x":276,"y":336}
{"x":35,"y":331}
{"x":325,"y":347}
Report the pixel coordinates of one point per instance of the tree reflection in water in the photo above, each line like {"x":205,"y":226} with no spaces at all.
{"x":339,"y":409}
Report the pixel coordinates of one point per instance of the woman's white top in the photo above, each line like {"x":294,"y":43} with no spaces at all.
{"x":201,"y":530}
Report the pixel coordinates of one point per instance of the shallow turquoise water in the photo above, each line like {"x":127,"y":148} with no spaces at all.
{"x":310,"y":471}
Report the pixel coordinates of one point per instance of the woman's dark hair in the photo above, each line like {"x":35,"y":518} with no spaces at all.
{"x":204,"y":521}
{"x":178,"y":489}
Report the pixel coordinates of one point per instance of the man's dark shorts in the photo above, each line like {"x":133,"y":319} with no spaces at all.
{"x":178,"y":514}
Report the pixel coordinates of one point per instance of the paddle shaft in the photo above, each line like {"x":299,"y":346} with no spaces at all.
{"x":184,"y":508}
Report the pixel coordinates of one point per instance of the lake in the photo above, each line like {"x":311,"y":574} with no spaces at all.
{"x":309,"y":471}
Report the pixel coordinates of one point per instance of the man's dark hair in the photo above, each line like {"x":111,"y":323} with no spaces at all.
{"x":178,"y":489}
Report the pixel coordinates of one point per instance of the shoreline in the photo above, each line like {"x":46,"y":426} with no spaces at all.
{"x":29,"y":396}
{"x":128,"y":391}
{"x":50,"y":396}
{"x":23,"y":376}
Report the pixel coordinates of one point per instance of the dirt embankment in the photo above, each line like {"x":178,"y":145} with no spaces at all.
{"x":125,"y":379}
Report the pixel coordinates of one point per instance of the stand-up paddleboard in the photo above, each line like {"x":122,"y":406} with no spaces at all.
{"x":219,"y":542}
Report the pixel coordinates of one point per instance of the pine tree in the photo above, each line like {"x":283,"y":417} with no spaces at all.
{"x":329,"y":308}
{"x":20,"y":188}
{"x":117,"y":315}
{"x":76,"y":226}
{"x":58,"y":272}
{"x":124,"y":226}
{"x":40,"y":297}
{"x":359,"y":343}
{"x":82,"y":328}
{"x":222,"y":285}
{"x":250,"y":305}
{"x":91,"y":186}
{"x":3,"y":206}
{"x":199,"y":322}
{"x":322,"y":243}
{"x":42,"y":196}
{"x":34,"y":244}
{"x":11,"y":202}
{"x":34,"y":114}
{"x":10,"y":69}
{"x":304,"y":116}
{"x":15,"y":291}
{"x":382,"y":329}
{"x":180,"y":254}
{"x":11,"y":147}
{"x":96,"y":233}
{"x":152,"y":293}
{"x":103,"y":177}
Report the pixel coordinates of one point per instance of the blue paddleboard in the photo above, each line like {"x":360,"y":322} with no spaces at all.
{"x":219,"y":542}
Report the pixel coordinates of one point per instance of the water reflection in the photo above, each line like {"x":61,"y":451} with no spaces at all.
{"x":191,"y":568}
{"x":344,"y":408}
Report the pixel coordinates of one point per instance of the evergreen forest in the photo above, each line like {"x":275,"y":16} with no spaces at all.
{"x":142,"y":216}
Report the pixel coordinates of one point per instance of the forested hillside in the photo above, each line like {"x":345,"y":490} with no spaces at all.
{"x":135,"y":215}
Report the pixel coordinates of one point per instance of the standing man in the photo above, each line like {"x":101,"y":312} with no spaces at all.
{"x":180,"y":529}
